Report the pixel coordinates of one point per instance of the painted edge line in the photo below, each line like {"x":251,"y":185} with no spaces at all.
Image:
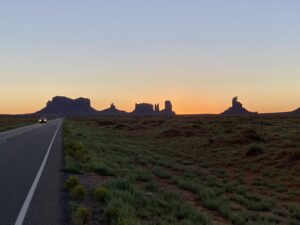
{"x":26,"y":204}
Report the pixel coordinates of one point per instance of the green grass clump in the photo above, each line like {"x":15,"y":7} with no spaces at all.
{"x":152,"y":186}
{"x":81,"y":216}
{"x":161,"y":173}
{"x":125,"y":204}
{"x":100,"y":193}
{"x":72,"y":170}
{"x":77,"y":193}
{"x":71,"y":182}
{"x":103,"y":170}
{"x":76,"y":152}
{"x":187,"y":185}
{"x":144,"y":176}
{"x":117,"y":212}
{"x":254,"y":202}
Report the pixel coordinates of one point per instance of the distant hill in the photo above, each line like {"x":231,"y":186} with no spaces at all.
{"x":112,"y":111}
{"x":237,"y":109}
{"x":296,"y":112}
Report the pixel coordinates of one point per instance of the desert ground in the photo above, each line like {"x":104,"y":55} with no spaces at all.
{"x":183,"y":170}
{"x":11,"y":122}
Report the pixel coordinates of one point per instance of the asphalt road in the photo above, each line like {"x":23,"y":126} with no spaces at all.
{"x":31,"y":180}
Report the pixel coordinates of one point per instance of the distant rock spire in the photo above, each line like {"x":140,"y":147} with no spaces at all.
{"x":237,"y":109}
{"x":146,"y":109}
{"x":112,"y":106}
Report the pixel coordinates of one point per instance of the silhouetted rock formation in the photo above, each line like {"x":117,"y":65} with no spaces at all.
{"x":295,"y":112}
{"x":65,"y":106}
{"x":156,"y":107}
{"x":168,"y":109}
{"x":112,"y":111}
{"x":143,"y":109}
{"x":237,"y":109}
{"x":146,"y":109}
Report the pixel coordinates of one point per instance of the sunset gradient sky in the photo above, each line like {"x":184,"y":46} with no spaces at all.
{"x":199,"y":54}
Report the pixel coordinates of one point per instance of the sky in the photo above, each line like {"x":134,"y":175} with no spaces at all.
{"x":196,"y":53}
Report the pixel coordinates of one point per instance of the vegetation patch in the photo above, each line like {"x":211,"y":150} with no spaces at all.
{"x":183,"y":170}
{"x":12,"y":122}
{"x":81,"y":216}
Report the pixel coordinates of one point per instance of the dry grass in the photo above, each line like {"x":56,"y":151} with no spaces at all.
{"x":196,"y":167}
{"x":11,"y":122}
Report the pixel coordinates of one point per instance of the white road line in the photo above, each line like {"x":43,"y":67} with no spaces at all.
{"x":30,"y":194}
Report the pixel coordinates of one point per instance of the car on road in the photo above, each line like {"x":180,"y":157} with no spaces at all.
{"x":43,"y":120}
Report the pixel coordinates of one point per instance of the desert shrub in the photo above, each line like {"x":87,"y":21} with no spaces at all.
{"x":246,"y":136}
{"x":280,"y":212}
{"x":121,"y":184}
{"x":187,"y":185}
{"x":152,"y":186}
{"x":144,"y":176}
{"x":212,"y":201}
{"x":71,"y":182}
{"x":120,"y":126}
{"x":81,"y":216}
{"x":118,"y":212}
{"x":159,"y":172}
{"x":237,"y":219}
{"x":76,"y":151}
{"x":103,"y":170}
{"x":100,"y":193}
{"x":137,"y":127}
{"x":255,"y":203}
{"x":106,"y":122}
{"x":170,"y":133}
{"x":142,"y":161}
{"x":252,"y":135}
{"x":77,"y":193}
{"x":254,"y":150}
{"x":72,"y":169}
{"x":295,"y":210}
{"x":184,"y":211}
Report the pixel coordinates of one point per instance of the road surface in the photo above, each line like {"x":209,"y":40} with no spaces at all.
{"x":31,"y":180}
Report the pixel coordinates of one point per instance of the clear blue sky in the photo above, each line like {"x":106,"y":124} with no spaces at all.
{"x":196,"y":53}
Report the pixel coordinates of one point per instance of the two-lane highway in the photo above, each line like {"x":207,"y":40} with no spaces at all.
{"x":30,"y":175}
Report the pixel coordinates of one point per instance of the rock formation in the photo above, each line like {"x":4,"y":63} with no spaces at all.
{"x":143,"y":109}
{"x":237,"y":109}
{"x":168,"y":109}
{"x":156,"y":107}
{"x":112,"y":111}
{"x":65,"y":106}
{"x":146,"y":109}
